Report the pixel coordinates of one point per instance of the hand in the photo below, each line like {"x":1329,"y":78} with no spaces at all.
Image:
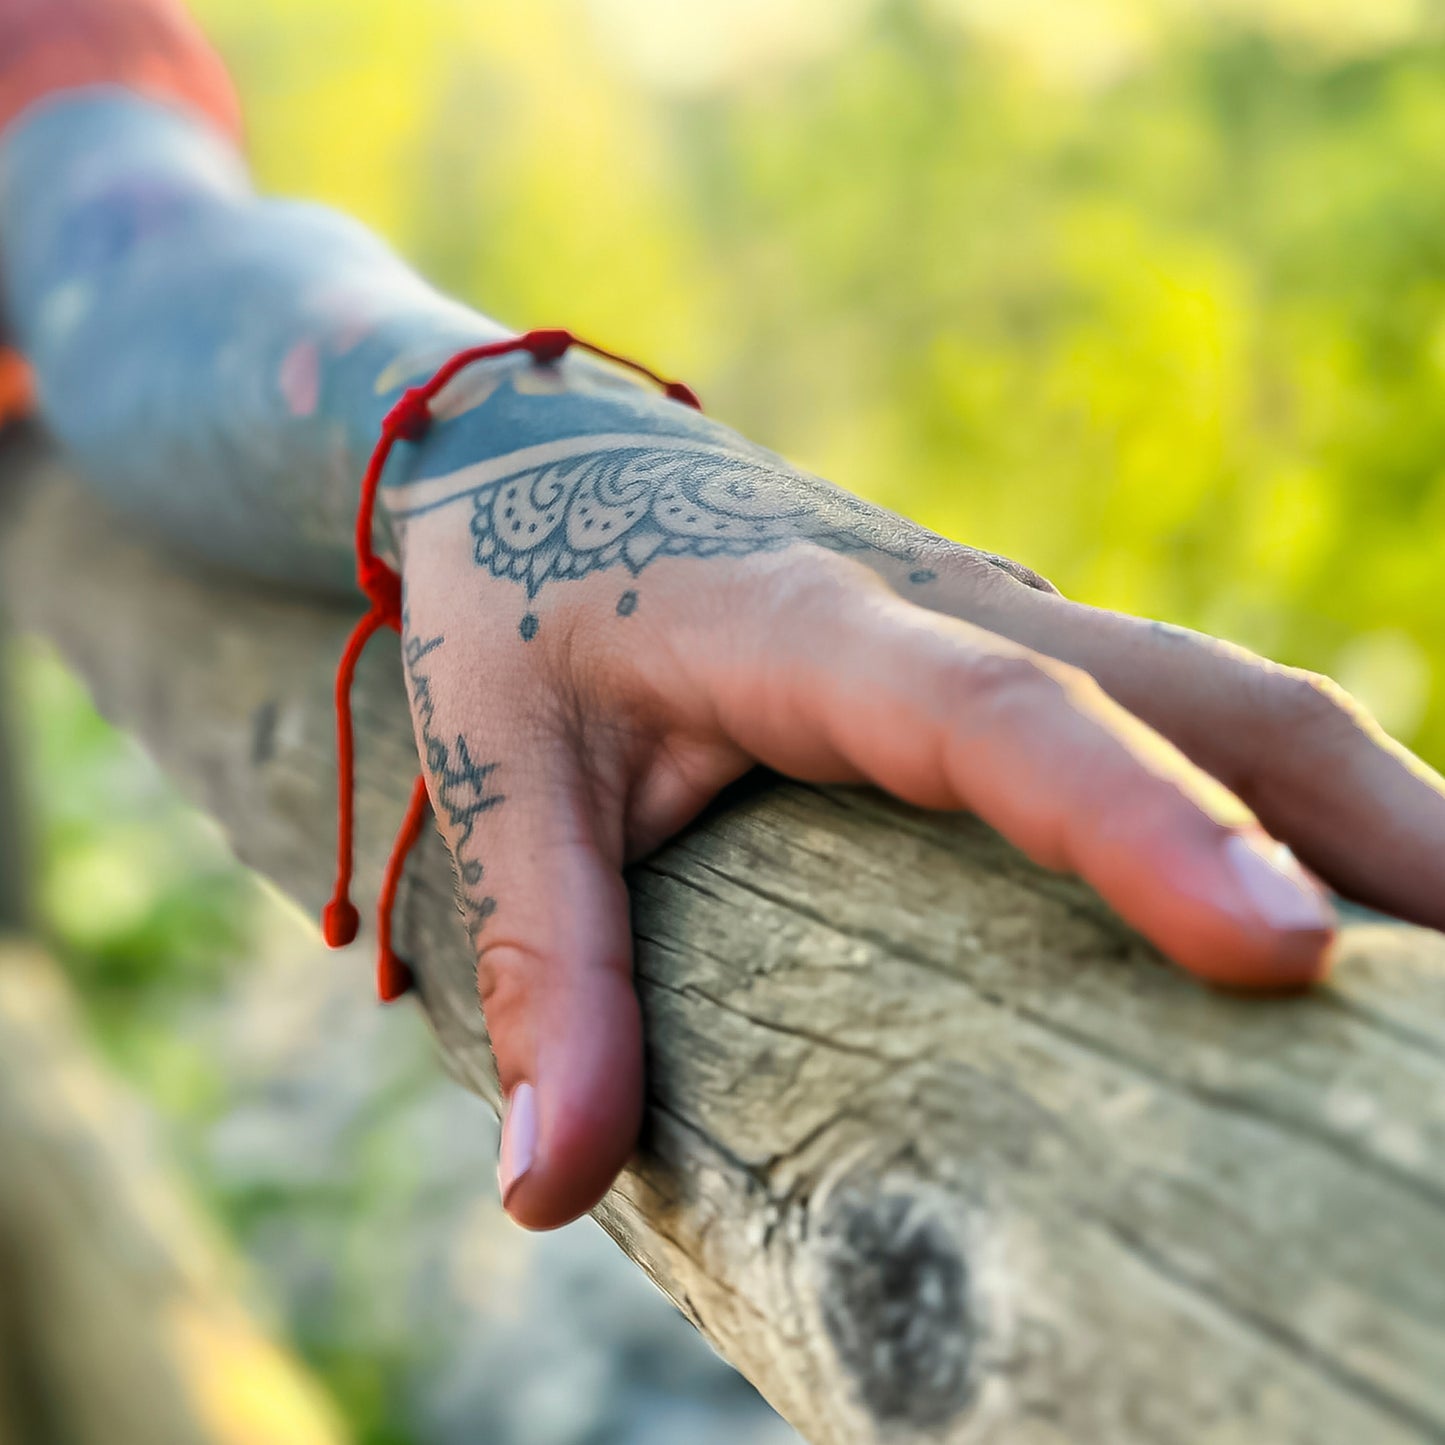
{"x":598,"y":644}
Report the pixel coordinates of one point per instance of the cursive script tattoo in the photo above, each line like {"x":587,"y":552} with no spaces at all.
{"x":462,"y":788}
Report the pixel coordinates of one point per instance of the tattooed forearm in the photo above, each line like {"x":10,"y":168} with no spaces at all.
{"x":462,"y":789}
{"x":263,"y":342}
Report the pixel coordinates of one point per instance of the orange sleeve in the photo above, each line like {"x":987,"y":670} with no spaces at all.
{"x":151,"y":46}
{"x":17,"y":391}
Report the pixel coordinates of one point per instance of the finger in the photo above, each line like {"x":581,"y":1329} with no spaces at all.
{"x":1352,"y":803}
{"x":554,"y":969}
{"x":863,"y":685}
{"x":538,"y":869}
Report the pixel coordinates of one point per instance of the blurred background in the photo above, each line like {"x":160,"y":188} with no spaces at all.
{"x":1149,"y":294}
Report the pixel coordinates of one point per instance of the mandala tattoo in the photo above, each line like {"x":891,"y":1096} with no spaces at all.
{"x":463,"y":788}
{"x":570,"y":518}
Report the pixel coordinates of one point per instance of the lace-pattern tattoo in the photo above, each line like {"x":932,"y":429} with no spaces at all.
{"x":572,"y":517}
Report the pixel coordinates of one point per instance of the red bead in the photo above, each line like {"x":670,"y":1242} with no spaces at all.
{"x":339,"y":923}
{"x":548,"y":344}
{"x":393,"y":977}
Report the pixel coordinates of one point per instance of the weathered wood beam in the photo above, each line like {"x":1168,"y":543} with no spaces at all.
{"x":937,"y":1149}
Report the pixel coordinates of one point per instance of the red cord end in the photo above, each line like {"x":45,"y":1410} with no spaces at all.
{"x":681,"y":391}
{"x":339,"y":922}
{"x":547,"y":343}
{"x":393,"y":977}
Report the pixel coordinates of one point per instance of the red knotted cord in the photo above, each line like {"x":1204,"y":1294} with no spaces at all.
{"x":408,"y":421}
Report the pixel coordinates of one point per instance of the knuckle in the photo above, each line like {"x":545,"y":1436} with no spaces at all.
{"x":807,"y":589}
{"x":1035,"y":580}
{"x":504,"y":974}
{"x":990,"y":569}
{"x":818,"y":583}
{"x":1009,"y":682}
{"x":1312,"y":704}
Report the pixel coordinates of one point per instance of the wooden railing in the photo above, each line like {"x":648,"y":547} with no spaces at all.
{"x":937,"y":1149}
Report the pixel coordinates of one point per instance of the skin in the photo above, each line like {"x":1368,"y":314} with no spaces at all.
{"x":663,"y":606}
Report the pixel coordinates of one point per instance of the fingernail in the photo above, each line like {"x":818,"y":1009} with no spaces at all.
{"x":519,"y":1139}
{"x":1276,"y":885}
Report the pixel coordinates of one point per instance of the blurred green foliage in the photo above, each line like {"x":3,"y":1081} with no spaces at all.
{"x":1148,"y":294}
{"x":138,"y":896}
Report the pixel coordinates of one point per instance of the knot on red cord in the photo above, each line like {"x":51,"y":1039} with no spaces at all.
{"x":547,"y":343}
{"x":383,"y":586}
{"x":410,"y":417}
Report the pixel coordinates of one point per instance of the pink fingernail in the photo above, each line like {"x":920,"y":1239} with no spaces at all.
{"x":1276,"y":885}
{"x":519,"y":1139}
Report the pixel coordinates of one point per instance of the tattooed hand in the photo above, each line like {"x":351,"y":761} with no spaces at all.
{"x":616,"y":607}
{"x":604,"y":630}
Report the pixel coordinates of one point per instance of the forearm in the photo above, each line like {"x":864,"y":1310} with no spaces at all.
{"x":219,"y":364}
{"x":210,"y":358}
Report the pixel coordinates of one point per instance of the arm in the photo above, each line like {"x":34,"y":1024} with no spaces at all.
{"x":202,"y":350}
{"x":614,"y":607}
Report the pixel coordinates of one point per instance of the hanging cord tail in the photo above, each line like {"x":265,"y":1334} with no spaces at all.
{"x":393,"y":975}
{"x":339,"y":919}
{"x":409,"y":420}
{"x":382,"y":588}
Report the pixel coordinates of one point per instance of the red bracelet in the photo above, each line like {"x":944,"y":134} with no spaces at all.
{"x":408,"y":421}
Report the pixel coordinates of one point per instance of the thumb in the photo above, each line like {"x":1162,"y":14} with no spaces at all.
{"x":543,"y":890}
